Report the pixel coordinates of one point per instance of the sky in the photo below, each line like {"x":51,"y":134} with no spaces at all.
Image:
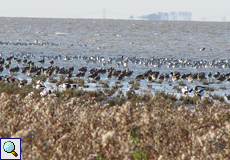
{"x":209,"y":10}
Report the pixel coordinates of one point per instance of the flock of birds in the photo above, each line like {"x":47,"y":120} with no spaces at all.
{"x":29,"y":67}
{"x":126,"y":61}
{"x":41,"y":87}
{"x":35,"y":43}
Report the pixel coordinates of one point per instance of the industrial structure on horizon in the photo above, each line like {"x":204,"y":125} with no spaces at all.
{"x":183,"y":16}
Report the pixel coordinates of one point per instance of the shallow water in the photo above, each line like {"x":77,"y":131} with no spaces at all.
{"x":115,"y":38}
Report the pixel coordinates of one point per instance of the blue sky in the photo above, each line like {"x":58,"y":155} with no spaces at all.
{"x":213,"y":10}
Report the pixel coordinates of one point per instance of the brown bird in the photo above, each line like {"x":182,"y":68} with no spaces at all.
{"x":82,"y":69}
{"x":41,"y":61}
{"x":51,"y":62}
{"x":80,"y":74}
{"x":97,"y":78}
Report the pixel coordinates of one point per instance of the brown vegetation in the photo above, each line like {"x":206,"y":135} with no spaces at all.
{"x":144,"y":127}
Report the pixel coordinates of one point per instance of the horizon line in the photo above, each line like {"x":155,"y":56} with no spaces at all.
{"x":110,"y":19}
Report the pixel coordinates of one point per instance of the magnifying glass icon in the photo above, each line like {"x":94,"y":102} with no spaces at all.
{"x":9,"y":147}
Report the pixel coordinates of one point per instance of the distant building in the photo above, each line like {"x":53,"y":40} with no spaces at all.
{"x":183,"y":16}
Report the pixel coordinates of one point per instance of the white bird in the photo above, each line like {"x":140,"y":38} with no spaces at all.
{"x":31,"y":94}
{"x":199,"y":93}
{"x":52,"y":95}
{"x":202,"y":49}
{"x":185,"y":90}
{"x":21,"y":85}
{"x":131,"y":89}
{"x":65,"y":85}
{"x":40,"y":86}
{"x":45,"y":93}
{"x":66,"y":58}
{"x":40,"y":82}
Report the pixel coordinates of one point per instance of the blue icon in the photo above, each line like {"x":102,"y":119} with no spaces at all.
{"x":9,"y":147}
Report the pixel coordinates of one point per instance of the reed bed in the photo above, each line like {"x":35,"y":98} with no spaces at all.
{"x":88,"y":127}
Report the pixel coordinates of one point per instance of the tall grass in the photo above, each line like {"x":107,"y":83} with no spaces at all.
{"x":79,"y":127}
{"x":79,"y":124}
